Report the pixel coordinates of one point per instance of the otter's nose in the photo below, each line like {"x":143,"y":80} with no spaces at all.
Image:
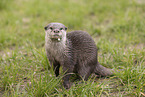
{"x":56,"y":31}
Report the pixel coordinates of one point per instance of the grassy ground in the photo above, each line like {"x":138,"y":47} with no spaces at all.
{"x":117,"y":27}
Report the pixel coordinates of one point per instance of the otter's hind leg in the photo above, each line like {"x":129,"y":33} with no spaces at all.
{"x":84,"y":72}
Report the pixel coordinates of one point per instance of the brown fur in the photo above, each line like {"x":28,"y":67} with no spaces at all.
{"x":76,"y":52}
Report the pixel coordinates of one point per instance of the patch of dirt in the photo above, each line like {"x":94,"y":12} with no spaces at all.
{"x":140,"y":1}
{"x":138,"y":46}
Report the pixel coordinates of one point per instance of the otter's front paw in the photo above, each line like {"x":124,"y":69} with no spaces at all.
{"x":66,"y":85}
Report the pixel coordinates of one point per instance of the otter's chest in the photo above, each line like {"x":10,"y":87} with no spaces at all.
{"x":56,"y":51}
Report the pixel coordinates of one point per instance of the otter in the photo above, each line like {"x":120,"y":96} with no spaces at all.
{"x":75,"y":51}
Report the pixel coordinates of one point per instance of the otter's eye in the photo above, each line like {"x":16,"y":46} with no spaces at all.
{"x":61,"y":28}
{"x":51,"y":28}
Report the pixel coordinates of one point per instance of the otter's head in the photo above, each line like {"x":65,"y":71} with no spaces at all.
{"x":55,"y":31}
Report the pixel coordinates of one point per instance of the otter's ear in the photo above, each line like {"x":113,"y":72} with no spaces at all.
{"x":65,"y":28}
{"x":45,"y":28}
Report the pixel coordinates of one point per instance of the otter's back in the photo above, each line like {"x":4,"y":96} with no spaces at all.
{"x":83,"y":45}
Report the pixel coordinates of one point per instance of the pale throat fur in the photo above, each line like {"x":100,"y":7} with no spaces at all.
{"x":55,"y":48}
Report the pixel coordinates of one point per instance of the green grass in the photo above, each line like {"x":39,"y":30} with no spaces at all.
{"x":117,"y":26}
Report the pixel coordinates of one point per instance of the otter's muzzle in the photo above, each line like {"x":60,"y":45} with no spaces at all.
{"x":56,"y":31}
{"x":56,"y":35}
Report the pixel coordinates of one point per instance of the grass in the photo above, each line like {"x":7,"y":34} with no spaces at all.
{"x":117,"y":26}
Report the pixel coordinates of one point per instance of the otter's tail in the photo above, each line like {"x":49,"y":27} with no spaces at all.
{"x":103,"y":71}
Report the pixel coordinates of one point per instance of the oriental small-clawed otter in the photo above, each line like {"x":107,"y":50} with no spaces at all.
{"x":75,"y":51}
